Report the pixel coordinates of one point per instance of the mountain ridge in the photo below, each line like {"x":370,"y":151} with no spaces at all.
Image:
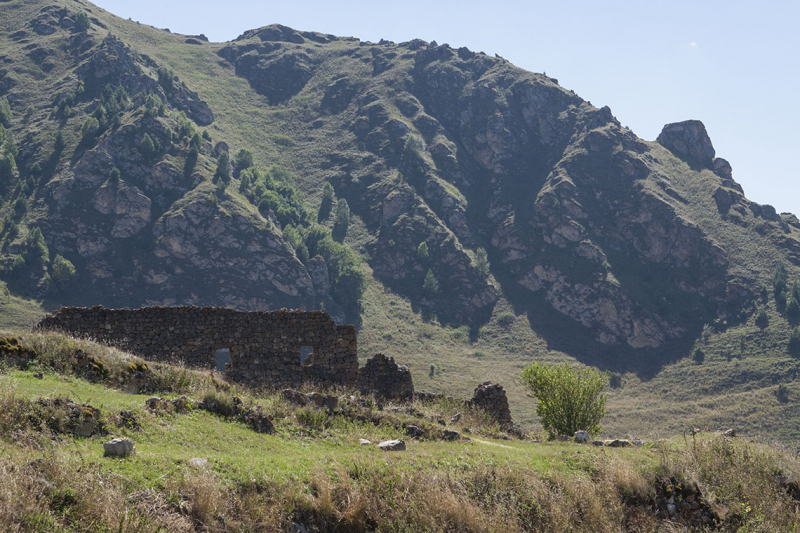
{"x":602,"y":248}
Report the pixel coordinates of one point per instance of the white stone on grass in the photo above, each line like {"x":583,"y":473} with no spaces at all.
{"x":118,"y":448}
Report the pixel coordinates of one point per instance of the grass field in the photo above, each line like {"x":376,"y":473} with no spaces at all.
{"x":312,"y":471}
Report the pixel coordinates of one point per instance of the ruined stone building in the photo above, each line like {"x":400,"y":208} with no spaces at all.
{"x":260,"y":348}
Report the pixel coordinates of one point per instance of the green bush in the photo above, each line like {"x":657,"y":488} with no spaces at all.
{"x":699,"y":355}
{"x":341,"y":221}
{"x":482,"y":262}
{"x":82,"y":22}
{"x":569,"y":399}
{"x":63,"y":272}
{"x":89,"y":130}
{"x":430,"y":284}
{"x":147,"y":147}
{"x":794,"y":341}
{"x":422,"y":252}
{"x":223,"y":172}
{"x":505,"y":319}
{"x":779,"y":280}
{"x":326,"y":205}
{"x":165,"y":79}
{"x":244,"y":159}
{"x":191,"y":162}
{"x":762,"y":319}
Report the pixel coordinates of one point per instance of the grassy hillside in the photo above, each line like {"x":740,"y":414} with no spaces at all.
{"x":311,"y":472}
{"x":746,"y":376}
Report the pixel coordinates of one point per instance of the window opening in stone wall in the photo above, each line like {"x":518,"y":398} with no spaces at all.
{"x":305,"y":353}
{"x":222,"y":357}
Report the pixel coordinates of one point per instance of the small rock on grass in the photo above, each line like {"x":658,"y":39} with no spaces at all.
{"x":392,"y":445}
{"x":618,"y":443}
{"x":581,"y":436}
{"x":451,"y":435}
{"x":118,"y":448}
{"x":364,"y":442}
{"x":198,"y":462}
{"x":730,"y":433}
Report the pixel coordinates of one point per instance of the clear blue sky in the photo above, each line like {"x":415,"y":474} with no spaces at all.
{"x":732,"y":64}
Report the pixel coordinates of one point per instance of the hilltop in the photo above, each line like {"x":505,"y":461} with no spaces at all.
{"x":477,"y":216}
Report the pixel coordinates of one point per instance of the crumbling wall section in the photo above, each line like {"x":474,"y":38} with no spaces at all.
{"x":264,"y":345}
{"x":384,"y":378}
{"x":492,"y":399}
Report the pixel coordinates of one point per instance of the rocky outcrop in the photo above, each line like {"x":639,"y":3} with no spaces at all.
{"x":688,"y":139}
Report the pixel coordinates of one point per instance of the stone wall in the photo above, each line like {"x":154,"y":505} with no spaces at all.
{"x":264,"y":346}
{"x":492,"y":399}
{"x":384,"y":378}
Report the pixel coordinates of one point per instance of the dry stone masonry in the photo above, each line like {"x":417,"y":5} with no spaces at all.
{"x":265,"y":347}
{"x":384,"y":378}
{"x":492,"y":399}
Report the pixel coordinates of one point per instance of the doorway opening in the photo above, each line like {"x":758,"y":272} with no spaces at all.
{"x":222,"y":358}
{"x":305,"y":354}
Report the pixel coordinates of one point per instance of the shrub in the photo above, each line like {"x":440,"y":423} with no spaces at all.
{"x":782,"y":393}
{"x":794,"y":341}
{"x":569,"y":399}
{"x":779,"y":281}
{"x":341,"y":221}
{"x":422,"y":252}
{"x":63,"y":271}
{"x":762,"y":319}
{"x":147,"y":147}
{"x":244,"y":159}
{"x":326,"y":204}
{"x":792,"y":306}
{"x":89,"y":129}
{"x":505,"y":319}
{"x":430,"y":284}
{"x":699,"y":355}
{"x":165,"y":79}
{"x":82,"y":22}
{"x":482,"y":262}
{"x":5,"y":112}
{"x":615,"y":380}
{"x":223,"y":172}
{"x":191,"y":162}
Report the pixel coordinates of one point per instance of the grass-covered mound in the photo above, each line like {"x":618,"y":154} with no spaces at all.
{"x":311,"y":472}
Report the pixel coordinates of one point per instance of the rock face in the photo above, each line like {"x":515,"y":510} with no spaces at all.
{"x":592,"y":232}
{"x":384,"y":378}
{"x":118,"y":448}
{"x":688,"y":138}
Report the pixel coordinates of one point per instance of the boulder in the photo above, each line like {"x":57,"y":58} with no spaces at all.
{"x":451,"y":435}
{"x":199,"y":462}
{"x":455,"y":418}
{"x":618,"y":443}
{"x":581,"y":436}
{"x":730,"y":433}
{"x":118,"y":448}
{"x":329,"y":401}
{"x":414,"y":432}
{"x":392,"y":445}
{"x":364,"y":442}
{"x":563,"y":438}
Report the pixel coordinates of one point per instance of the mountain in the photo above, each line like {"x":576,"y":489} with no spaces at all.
{"x":481,"y":216}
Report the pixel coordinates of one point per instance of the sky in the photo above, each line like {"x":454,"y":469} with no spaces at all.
{"x":731,"y":64}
